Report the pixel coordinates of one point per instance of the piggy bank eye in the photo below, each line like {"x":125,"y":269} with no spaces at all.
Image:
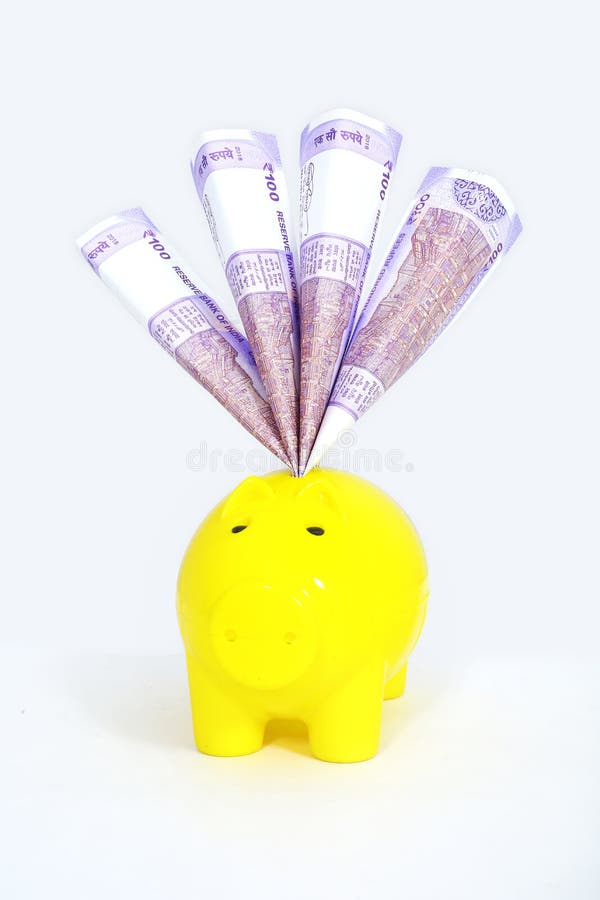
{"x":237,"y":528}
{"x":315,"y":529}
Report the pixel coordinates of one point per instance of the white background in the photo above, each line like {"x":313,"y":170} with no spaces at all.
{"x":487,"y":784}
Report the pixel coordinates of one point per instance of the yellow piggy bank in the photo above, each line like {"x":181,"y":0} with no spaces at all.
{"x":300,"y":598}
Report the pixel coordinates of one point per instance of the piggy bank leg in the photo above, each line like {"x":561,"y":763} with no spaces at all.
{"x":222,"y":725}
{"x":395,"y":686}
{"x":346,"y":726}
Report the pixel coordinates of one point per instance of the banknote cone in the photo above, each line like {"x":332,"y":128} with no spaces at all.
{"x":459,"y":228}
{"x":347,"y":160}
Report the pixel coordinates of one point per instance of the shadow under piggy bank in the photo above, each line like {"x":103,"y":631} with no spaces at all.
{"x":145,"y":699}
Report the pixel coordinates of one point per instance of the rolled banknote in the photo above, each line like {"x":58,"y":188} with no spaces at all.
{"x":347,"y":161}
{"x":158,"y":288}
{"x":240,"y":181}
{"x":459,"y":227}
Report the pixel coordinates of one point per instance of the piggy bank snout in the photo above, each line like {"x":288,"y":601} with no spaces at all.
{"x":263,"y":636}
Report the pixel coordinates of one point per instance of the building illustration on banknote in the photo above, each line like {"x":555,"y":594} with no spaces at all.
{"x":447,"y":251}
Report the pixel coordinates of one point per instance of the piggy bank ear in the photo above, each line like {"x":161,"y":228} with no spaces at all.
{"x":319,"y":496}
{"x":245,"y":498}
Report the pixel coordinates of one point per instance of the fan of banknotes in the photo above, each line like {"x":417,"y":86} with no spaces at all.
{"x":314,"y":354}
